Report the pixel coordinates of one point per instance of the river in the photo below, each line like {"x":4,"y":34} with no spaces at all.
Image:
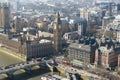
{"x":6,"y":59}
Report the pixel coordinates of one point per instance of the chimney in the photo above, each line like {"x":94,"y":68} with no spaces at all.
{"x":107,"y":46}
{"x":112,"y":47}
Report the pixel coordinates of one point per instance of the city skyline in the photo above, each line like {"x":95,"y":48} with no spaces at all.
{"x":59,"y":39}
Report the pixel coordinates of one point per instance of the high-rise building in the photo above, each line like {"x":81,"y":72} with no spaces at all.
{"x":57,"y":34}
{"x":110,"y":9}
{"x":84,"y":13}
{"x":5,"y":16}
{"x":118,"y":7}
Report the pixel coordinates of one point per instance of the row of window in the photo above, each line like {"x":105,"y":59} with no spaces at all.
{"x":80,"y":55}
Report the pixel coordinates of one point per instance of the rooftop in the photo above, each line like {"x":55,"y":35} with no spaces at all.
{"x":44,"y":41}
{"x":105,"y":51}
{"x":45,"y":34}
{"x":15,"y":39}
{"x":80,"y":47}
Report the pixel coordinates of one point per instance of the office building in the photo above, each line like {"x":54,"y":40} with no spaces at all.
{"x":84,"y":51}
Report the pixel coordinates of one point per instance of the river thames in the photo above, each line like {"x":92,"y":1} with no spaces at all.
{"x":6,"y":59}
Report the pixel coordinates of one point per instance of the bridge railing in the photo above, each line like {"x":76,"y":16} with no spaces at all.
{"x":19,"y":66}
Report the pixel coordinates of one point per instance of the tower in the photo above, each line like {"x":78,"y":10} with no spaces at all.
{"x":0,"y":15}
{"x":17,"y":24}
{"x":80,"y":29}
{"x":5,"y":16}
{"x":57,"y":34}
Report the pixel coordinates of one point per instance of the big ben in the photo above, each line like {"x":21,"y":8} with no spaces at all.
{"x":57,"y":34}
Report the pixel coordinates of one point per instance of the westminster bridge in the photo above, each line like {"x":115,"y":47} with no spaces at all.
{"x":27,"y":67}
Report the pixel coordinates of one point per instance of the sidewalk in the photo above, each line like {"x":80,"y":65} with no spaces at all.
{"x":83,"y":73}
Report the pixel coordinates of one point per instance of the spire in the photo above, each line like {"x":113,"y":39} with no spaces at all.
{"x":57,"y":18}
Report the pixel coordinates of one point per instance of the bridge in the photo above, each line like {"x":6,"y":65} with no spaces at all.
{"x":25,"y":67}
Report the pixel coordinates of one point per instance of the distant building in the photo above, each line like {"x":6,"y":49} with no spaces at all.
{"x":65,"y":25}
{"x":84,"y":13}
{"x":118,"y":36}
{"x":18,"y":24}
{"x":118,"y":8}
{"x":42,"y":25}
{"x":71,"y":35}
{"x":14,"y":5}
{"x":107,"y":20}
{"x":78,"y":24}
{"x":111,"y":27}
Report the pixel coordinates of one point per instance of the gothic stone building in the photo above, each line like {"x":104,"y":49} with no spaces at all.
{"x":31,"y":46}
{"x":26,"y":48}
{"x":4,"y":16}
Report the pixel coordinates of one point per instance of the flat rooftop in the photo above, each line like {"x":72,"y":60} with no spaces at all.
{"x":44,"y":41}
{"x":80,"y":47}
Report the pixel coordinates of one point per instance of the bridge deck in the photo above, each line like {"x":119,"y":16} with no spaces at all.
{"x":16,"y":67}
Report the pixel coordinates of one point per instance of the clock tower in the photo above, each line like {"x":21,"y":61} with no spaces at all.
{"x":57,"y":34}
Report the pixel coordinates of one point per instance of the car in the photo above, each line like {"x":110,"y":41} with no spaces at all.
{"x":1,"y":69}
{"x":10,"y":66}
{"x":75,"y":70}
{"x":13,"y":65}
{"x":18,"y":64}
{"x":39,"y":59}
{"x":27,"y":62}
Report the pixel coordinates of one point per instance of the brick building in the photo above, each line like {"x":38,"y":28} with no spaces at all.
{"x":107,"y":54}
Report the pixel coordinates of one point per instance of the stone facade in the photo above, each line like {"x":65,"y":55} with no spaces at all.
{"x":57,"y":34}
{"x":26,"y":48}
{"x":4,"y":16}
{"x":83,"y":51}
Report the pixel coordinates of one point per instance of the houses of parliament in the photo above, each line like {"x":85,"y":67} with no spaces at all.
{"x":26,"y":45}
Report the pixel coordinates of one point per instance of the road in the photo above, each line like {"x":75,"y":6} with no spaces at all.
{"x":18,"y":66}
{"x":81,"y":72}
